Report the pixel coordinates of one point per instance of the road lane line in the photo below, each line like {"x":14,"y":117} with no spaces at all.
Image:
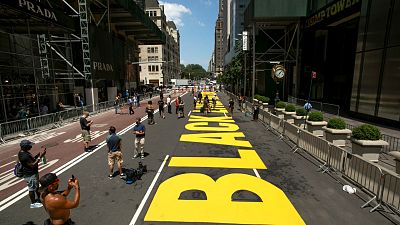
{"x":146,"y":196}
{"x":189,"y":113}
{"x":225,"y":114}
{"x":7,"y":164}
{"x":22,"y":193}
{"x":257,"y":174}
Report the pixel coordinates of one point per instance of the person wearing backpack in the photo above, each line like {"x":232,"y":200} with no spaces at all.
{"x":30,"y":168}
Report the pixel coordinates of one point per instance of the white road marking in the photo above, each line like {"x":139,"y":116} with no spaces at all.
{"x":189,"y":113}
{"x":257,"y":174}
{"x":93,"y":134}
{"x":146,"y":196}
{"x":7,"y":164}
{"x":225,"y":115}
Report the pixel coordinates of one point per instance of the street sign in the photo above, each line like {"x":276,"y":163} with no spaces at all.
{"x":245,"y":41}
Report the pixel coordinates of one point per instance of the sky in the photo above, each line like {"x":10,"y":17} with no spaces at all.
{"x":195,"y":20}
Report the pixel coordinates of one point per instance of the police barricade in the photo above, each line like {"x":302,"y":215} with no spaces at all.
{"x":317,"y":147}
{"x":367,"y":176}
{"x":336,"y":157}
{"x":391,"y":192}
{"x":267,"y":117}
{"x":14,"y":127}
{"x":275,"y":122}
{"x":43,"y":120}
{"x":292,"y":132}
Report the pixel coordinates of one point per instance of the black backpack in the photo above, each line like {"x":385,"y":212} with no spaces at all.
{"x":18,"y":170}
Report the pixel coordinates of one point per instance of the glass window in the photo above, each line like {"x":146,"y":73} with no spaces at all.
{"x":369,"y":82}
{"x":148,"y":49}
{"x":149,"y":68}
{"x":394,"y":38}
{"x":353,"y":100}
{"x":377,"y":24}
{"x":156,"y":49}
{"x":390,"y":93}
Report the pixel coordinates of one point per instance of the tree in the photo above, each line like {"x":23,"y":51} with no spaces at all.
{"x":233,"y":74}
{"x":194,"y":72}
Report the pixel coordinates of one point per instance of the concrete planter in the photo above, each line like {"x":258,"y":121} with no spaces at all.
{"x":279,"y":112}
{"x":367,"y":149}
{"x":315,"y":127}
{"x":265,"y":106}
{"x":337,"y":136}
{"x":299,"y":120}
{"x":396,"y":155}
{"x":255,"y":100}
{"x":288,"y":116}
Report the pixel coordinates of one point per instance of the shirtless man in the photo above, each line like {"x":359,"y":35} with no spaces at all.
{"x":55,"y":202}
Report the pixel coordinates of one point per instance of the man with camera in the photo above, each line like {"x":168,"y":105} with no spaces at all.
{"x":55,"y":202}
{"x":85,"y":127}
{"x":139,"y":131}
{"x":30,"y":170}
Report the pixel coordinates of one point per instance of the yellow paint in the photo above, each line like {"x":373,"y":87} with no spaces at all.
{"x":275,"y":207}
{"x":213,"y":111}
{"x":215,"y":119}
{"x":249,"y":159}
{"x":204,"y":126}
{"x":228,"y":138}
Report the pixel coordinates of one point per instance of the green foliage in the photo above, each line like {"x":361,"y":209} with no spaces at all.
{"x":301,"y":112}
{"x":264,"y":99}
{"x":366,"y":132}
{"x":290,"y":108}
{"x":315,"y":116}
{"x":280,"y":105}
{"x":233,"y":73}
{"x":336,"y":123}
{"x":193,"y":72}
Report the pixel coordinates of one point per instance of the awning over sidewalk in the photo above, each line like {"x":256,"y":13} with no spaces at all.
{"x":127,"y":17}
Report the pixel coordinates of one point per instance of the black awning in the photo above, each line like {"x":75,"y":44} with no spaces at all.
{"x":129,"y":18}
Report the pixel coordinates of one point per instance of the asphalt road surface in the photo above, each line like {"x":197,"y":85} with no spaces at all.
{"x":202,"y":169}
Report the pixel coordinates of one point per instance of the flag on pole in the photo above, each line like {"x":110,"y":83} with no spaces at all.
{"x":313,"y":74}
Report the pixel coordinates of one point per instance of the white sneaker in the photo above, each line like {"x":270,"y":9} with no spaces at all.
{"x":36,"y":205}
{"x":135,"y":156}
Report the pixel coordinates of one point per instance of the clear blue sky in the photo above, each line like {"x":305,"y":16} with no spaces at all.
{"x":195,"y":20}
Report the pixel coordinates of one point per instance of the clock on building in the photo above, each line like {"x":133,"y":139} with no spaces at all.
{"x":278,"y":72}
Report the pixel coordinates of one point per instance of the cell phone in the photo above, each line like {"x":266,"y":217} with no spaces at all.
{"x":72,"y":178}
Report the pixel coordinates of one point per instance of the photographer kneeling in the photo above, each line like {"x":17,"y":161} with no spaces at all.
{"x":55,"y":202}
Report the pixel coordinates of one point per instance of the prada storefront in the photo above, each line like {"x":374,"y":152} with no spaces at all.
{"x":355,"y":49}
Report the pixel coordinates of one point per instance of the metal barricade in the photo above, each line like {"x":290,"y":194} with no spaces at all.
{"x":14,"y":127}
{"x":336,"y":157}
{"x":292,"y":132}
{"x":275,"y":122}
{"x":391,"y":192}
{"x":366,"y":175}
{"x":317,"y":147}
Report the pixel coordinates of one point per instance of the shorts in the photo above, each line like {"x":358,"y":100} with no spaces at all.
{"x":115,"y":156}
{"x":86,"y":135}
{"x":68,"y":222}
{"x":32,"y":182}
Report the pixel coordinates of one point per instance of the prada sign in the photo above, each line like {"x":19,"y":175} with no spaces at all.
{"x":100,"y":66}
{"x":39,"y":10}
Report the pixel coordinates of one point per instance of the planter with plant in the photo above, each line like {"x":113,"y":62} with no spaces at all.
{"x":290,"y":110}
{"x":279,"y":108}
{"x":315,"y":122}
{"x":300,"y":117}
{"x":336,"y":131}
{"x":265,"y":101}
{"x":366,"y":141}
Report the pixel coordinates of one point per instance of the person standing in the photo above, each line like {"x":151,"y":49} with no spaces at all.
{"x":214,"y":101}
{"x":135,"y":100}
{"x":169,"y":104}
{"x":150,"y":112}
{"x":231,"y":106}
{"x":85,"y":127}
{"x":116,"y":104}
{"x":256,"y":110}
{"x":194,"y":102}
{"x":199,"y":97}
{"x":114,"y":152}
{"x":177,"y":104}
{"x":130,"y":102}
{"x":30,"y":170}
{"x":139,"y":131}
{"x":181,"y":108}
{"x":161,"y":108}
{"x":55,"y":202}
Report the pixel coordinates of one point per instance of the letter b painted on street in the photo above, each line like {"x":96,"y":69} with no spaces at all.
{"x":274,"y":207}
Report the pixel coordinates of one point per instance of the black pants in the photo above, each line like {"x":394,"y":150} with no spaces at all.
{"x":176,"y":109}
{"x":169,"y":108}
{"x":151,"y":118}
{"x":131,"y":110}
{"x":255,"y":114}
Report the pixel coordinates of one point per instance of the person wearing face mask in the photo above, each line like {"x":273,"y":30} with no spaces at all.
{"x":55,"y":202}
{"x":139,"y":131}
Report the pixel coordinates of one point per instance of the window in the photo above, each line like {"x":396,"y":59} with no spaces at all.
{"x":140,"y":69}
{"x":152,"y":58}
{"x":148,"y":49}
{"x":156,"y":50}
{"x":153,"y":68}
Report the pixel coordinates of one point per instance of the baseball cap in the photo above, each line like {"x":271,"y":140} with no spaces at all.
{"x":47,"y":180}
{"x":26,"y":143}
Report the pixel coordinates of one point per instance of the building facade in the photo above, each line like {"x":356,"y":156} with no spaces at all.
{"x":159,"y":64}
{"x":219,"y":41}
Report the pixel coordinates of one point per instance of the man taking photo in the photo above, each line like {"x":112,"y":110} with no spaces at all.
{"x":56,"y":203}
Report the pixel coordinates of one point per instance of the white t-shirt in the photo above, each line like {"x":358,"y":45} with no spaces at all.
{"x":168,"y":100}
